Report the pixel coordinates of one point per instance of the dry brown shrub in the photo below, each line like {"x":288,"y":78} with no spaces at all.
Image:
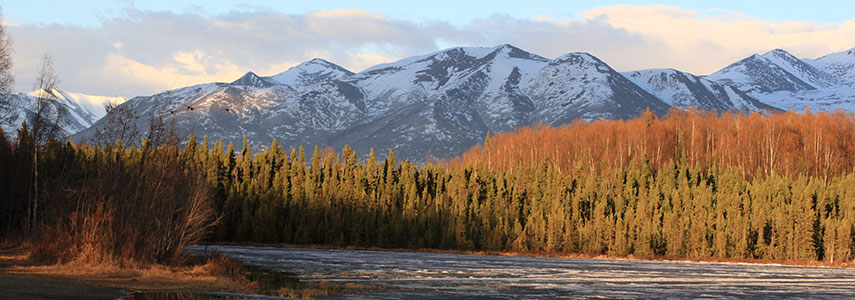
{"x":221,"y":265}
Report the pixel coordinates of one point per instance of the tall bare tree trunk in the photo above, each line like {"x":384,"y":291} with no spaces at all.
{"x":46,"y":125}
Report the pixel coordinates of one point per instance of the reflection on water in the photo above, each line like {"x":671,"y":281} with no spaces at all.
{"x":269,"y":280}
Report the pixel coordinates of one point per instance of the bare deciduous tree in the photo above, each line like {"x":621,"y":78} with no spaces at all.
{"x":7,"y":107}
{"x":121,"y":127}
{"x":162,"y":131}
{"x":45,"y":122}
{"x":47,"y":116}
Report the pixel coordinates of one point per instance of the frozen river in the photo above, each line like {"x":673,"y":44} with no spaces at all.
{"x":442,"y":276}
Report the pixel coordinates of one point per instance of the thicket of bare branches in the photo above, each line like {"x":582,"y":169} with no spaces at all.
{"x":121,"y":127}
{"x":124,"y":205}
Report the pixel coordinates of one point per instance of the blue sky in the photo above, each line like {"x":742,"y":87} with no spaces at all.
{"x":131,"y":48}
{"x":91,"y":12}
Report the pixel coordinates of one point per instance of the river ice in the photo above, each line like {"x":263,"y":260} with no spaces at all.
{"x":442,"y":276}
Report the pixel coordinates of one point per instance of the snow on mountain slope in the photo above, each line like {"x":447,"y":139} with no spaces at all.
{"x":580,"y":86}
{"x":87,"y":107}
{"x":443,"y":102}
{"x":414,"y":79}
{"x":311,"y":72}
{"x":684,"y":90}
{"x":252,"y":107}
{"x":759,"y":74}
{"x":841,"y":65}
{"x":251,"y":79}
{"x":841,"y":97}
{"x":81,"y":110}
{"x":781,"y":80}
{"x":800,"y":69}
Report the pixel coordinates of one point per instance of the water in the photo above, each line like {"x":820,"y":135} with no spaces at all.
{"x":400,"y":275}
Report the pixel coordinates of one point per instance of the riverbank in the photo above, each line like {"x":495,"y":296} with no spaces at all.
{"x":564,"y":255}
{"x":22,"y":278}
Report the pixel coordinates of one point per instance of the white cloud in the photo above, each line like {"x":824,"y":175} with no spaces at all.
{"x":188,"y":68}
{"x":145,"y":52}
{"x":702,"y":43}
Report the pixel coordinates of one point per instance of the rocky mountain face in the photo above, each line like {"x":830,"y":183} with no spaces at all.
{"x":441,"y":104}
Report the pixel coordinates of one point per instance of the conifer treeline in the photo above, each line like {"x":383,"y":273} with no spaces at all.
{"x":712,"y":200}
{"x":643,"y":186}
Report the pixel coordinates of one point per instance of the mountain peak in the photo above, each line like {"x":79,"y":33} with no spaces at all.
{"x":779,"y":54}
{"x":310,"y":72}
{"x":507,"y":47}
{"x":773,"y":71}
{"x":777,"y":51}
{"x":323,"y":62}
{"x":316,"y":63}
{"x":251,"y":79}
{"x":578,"y":58}
{"x":515,"y":52}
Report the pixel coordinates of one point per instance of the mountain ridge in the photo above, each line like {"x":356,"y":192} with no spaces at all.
{"x":442,"y":103}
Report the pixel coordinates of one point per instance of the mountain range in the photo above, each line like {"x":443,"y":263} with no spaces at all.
{"x":441,"y":104}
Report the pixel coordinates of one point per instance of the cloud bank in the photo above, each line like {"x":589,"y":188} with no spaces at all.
{"x":145,"y":52}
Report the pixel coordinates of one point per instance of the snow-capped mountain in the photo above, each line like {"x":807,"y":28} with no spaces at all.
{"x":245,"y":107}
{"x":774,"y":71}
{"x":440,"y":104}
{"x":580,"y":86}
{"x":443,"y":102}
{"x":779,"y":79}
{"x":684,"y":90}
{"x":81,"y":111}
{"x":314,"y":71}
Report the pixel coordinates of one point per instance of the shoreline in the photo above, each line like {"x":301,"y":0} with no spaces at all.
{"x":555,"y":255}
{"x":21,"y":278}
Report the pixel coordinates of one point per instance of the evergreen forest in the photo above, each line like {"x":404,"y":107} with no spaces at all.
{"x":689,"y":184}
